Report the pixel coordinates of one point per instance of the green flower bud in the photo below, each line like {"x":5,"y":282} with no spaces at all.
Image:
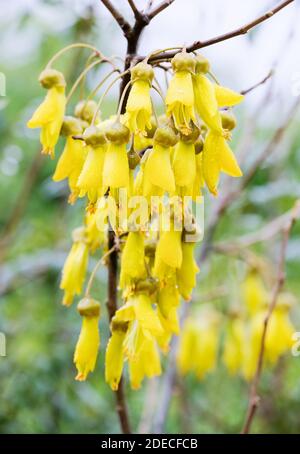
{"x":51,"y":78}
{"x":146,"y":286}
{"x":94,"y":136}
{"x":86,"y":110}
{"x":192,"y":136}
{"x":202,"y":64}
{"x":118,"y":326}
{"x":71,"y":126}
{"x":199,"y":145}
{"x":142,"y":71}
{"x":133,"y":159}
{"x":228,"y":120}
{"x":184,"y":61}
{"x":165,"y":136}
{"x":117,"y":133}
{"x":88,"y":307}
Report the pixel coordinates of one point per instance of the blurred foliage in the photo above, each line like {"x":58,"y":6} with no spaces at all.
{"x":39,"y":394}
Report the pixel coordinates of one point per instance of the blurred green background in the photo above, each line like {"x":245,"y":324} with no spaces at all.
{"x":38,"y":391}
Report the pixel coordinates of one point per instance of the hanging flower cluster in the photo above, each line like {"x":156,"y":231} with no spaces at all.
{"x":243,"y":333}
{"x":171,"y":156}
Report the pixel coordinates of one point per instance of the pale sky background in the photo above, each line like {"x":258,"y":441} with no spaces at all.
{"x":239,"y":63}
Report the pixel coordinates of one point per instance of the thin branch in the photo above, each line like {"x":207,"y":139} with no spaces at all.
{"x":258,"y":84}
{"x":217,"y":39}
{"x":136,"y":12}
{"x":254,"y":397}
{"x":266,"y":233}
{"x":124,"y":25}
{"x":163,"y":5}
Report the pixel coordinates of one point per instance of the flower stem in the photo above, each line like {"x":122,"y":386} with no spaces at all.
{"x":72,"y":46}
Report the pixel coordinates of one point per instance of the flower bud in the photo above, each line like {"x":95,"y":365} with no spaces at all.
{"x":142,"y":71}
{"x":118,"y":325}
{"x":165,"y":137}
{"x":117,"y":133}
{"x":228,"y":120}
{"x":86,"y":109}
{"x":183,"y":61}
{"x":202,"y":64}
{"x":88,"y":307}
{"x":94,"y":136}
{"x":192,"y":136}
{"x":71,"y":126}
{"x":199,"y":145}
{"x":51,"y":78}
{"x":146,"y":286}
{"x":133,"y":159}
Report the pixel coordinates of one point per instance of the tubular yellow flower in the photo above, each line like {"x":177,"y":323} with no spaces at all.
{"x":146,"y":363}
{"x":180,"y":94}
{"x":94,"y":237}
{"x":87,"y":347}
{"x":72,"y":158}
{"x":133,"y":259}
{"x":73,"y":273}
{"x":198,"y":345}
{"x":49,"y":115}
{"x":90,"y":179}
{"x":116,"y":168}
{"x":254,"y":292}
{"x":168,"y":252}
{"x":184,"y":163}
{"x":217,"y":157}
{"x":234,"y":346}
{"x":139,"y":107}
{"x":186,"y":274}
{"x":158,"y":170}
{"x":114,"y":356}
{"x":279,"y":338}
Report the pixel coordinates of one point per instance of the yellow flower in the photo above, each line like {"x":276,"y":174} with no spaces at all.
{"x":186,"y":274}
{"x":73,"y":273}
{"x":72,"y":158}
{"x":146,"y":362}
{"x":94,"y":237}
{"x":168,"y":253}
{"x":180,"y":94}
{"x":135,"y":327}
{"x":87,"y":347}
{"x":139,"y":308}
{"x":234,"y":345}
{"x":158,"y":170}
{"x":279,"y":338}
{"x":217,"y":157}
{"x":139,"y":107}
{"x":227,"y":97}
{"x":184,"y":163}
{"x":254,"y":292}
{"x":114,"y":356}
{"x":198,"y":346}
{"x":49,"y":115}
{"x":116,"y":168}
{"x":90,"y":179}
{"x":133,"y":259}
